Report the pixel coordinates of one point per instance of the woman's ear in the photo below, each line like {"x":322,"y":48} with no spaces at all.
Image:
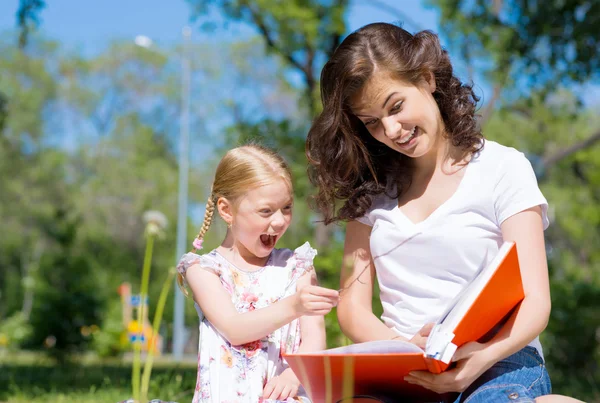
{"x":430,"y":80}
{"x":225,"y":209}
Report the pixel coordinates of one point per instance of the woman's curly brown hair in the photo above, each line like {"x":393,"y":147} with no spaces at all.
{"x":346,"y":163}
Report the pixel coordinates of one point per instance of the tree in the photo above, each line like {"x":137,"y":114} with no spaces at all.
{"x":3,"y":111}
{"x":68,"y":294}
{"x":547,"y":125}
{"x":99,"y":180}
{"x":303,"y":33}
{"x":526,"y":47}
{"x":30,"y":173}
{"x":28,"y":18}
{"x":549,"y":42}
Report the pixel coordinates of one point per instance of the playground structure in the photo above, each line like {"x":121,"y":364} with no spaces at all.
{"x":134,"y":331}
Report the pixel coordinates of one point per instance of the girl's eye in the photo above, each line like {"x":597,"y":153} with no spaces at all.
{"x":288,"y":207}
{"x":265,"y":211}
{"x":370,"y":122}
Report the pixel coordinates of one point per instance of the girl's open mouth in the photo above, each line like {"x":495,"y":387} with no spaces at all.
{"x":268,"y":240}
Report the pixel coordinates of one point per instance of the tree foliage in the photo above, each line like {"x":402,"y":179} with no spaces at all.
{"x":541,"y":43}
{"x":571,"y":185}
{"x":28,"y":18}
{"x":304,"y":33}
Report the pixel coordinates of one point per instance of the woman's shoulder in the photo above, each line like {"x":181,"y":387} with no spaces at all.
{"x":494,"y":152}
{"x":381,"y":203}
{"x":496,"y":158}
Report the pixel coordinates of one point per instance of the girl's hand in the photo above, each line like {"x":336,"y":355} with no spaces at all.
{"x":282,"y":386}
{"x":314,"y":300}
{"x":472,"y":361}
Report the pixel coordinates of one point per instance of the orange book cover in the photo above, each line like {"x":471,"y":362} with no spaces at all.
{"x":378,"y":368}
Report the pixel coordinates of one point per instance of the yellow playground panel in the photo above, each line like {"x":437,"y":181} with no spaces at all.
{"x":134,"y":331}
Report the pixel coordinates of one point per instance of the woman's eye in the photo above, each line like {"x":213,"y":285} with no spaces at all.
{"x":265,"y":211}
{"x":396,"y":107}
{"x":370,"y":122}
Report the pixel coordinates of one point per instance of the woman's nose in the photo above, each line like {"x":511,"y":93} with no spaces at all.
{"x":391,"y":127}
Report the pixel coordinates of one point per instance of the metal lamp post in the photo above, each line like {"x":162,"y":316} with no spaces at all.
{"x":179,"y":332}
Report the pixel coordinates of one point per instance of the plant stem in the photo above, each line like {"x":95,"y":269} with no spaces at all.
{"x":137,"y":346}
{"x":162,"y":300}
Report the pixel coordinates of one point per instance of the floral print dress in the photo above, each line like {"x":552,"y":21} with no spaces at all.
{"x":237,"y":374}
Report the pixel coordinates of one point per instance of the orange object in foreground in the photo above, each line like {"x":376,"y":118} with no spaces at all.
{"x":378,"y":368}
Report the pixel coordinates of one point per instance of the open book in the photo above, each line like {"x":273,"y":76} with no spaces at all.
{"x":378,"y":368}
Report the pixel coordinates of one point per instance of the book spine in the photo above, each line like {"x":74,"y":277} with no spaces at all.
{"x":435,"y":366}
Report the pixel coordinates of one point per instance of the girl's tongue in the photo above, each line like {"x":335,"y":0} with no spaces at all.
{"x":268,"y":240}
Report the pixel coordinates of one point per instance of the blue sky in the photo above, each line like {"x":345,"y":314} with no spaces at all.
{"x":91,"y":25}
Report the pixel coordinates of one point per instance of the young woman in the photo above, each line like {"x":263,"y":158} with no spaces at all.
{"x":397,"y":153}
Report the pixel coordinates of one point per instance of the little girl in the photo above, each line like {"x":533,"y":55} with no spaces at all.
{"x":255,"y":302}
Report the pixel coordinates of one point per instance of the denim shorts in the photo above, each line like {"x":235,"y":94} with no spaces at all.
{"x":519,"y":378}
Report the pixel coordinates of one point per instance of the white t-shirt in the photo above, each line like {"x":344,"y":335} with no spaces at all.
{"x":421,"y":267}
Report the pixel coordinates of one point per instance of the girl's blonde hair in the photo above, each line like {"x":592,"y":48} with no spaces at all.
{"x":241,"y":169}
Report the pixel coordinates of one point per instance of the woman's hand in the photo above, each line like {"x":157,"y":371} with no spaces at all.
{"x":471,"y":361}
{"x":420,"y":338}
{"x":282,"y":386}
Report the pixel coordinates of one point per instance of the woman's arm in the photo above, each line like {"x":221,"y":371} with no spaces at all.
{"x":240,"y":328}
{"x":355,"y":309}
{"x":526,"y":230}
{"x":527,"y":322}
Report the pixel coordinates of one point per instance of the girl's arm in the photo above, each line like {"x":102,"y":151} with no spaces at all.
{"x":312,"y":328}
{"x":240,"y":328}
{"x":354,"y":311}
{"x":312,"y":333}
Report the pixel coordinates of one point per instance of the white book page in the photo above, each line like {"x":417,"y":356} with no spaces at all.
{"x":375,"y":347}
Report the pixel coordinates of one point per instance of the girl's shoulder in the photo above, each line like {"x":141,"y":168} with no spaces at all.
{"x":300,"y":257}
{"x":286,"y":266}
{"x":208,"y":261}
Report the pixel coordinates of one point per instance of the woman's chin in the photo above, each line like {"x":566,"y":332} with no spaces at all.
{"x":413,"y":152}
{"x":420,"y":149}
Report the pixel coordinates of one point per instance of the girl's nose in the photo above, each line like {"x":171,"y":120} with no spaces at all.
{"x":277,"y":220}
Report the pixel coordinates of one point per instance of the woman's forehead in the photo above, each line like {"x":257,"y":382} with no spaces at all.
{"x":374,"y":92}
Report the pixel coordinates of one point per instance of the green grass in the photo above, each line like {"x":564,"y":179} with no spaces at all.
{"x":33,"y":378}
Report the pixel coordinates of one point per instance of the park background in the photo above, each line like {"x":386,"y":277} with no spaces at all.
{"x":96,"y":97}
